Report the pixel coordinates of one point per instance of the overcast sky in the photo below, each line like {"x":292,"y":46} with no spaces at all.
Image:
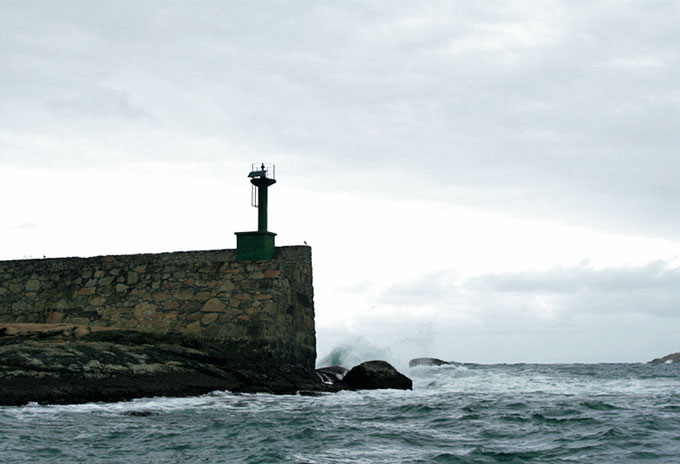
{"x":479,"y":181}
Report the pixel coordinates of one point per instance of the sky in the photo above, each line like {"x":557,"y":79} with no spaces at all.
{"x":490,"y":182}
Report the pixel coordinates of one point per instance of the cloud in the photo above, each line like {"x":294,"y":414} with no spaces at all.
{"x":99,"y":103}
{"x":560,"y":314}
{"x":19,"y":227}
{"x":652,"y":289}
{"x":448,"y":98}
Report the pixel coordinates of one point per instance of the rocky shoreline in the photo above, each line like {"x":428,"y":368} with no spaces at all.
{"x":67,"y":363}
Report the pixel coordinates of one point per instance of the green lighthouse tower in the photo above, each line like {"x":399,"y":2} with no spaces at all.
{"x":259,"y":244}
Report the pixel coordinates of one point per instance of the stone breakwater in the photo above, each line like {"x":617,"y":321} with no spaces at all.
{"x":113,"y":328}
{"x":258,"y":312}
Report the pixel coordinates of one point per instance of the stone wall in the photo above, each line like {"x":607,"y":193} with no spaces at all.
{"x":259,"y":312}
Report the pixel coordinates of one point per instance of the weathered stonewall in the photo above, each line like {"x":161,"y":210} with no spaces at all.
{"x":259,"y":313}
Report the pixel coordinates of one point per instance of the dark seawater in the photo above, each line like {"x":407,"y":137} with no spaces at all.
{"x":456,"y":414}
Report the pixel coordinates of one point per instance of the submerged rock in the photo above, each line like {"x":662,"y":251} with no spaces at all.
{"x":670,"y":358}
{"x":140,"y":413}
{"x":427,"y":362}
{"x":372,"y":375}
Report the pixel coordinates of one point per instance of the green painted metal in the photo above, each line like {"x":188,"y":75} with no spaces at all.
{"x":262,"y":184}
{"x":255,"y":245}
{"x":260,"y":244}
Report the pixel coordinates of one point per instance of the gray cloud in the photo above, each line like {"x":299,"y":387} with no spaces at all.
{"x":565,"y":293}
{"x":571,"y":111}
{"x":99,"y":103}
{"x":559,"y":315}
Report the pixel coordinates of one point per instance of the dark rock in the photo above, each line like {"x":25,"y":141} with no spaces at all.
{"x":671,"y":358}
{"x":427,"y":362}
{"x":373,"y":375}
{"x":140,"y":413}
{"x":65,"y":365}
{"x":309,"y":393}
{"x":331,"y":374}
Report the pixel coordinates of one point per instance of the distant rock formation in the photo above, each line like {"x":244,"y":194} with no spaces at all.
{"x":671,"y":358}
{"x":427,"y":362}
{"x":372,"y":375}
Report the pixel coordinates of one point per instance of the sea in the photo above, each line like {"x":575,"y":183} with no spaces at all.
{"x":469,"y":413}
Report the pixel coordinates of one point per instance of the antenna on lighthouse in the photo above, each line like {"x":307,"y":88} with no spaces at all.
{"x":264,"y":170}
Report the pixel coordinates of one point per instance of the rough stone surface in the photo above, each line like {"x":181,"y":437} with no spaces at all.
{"x":372,"y":375}
{"x":670,"y":358}
{"x":257,"y":314}
{"x":427,"y":362}
{"x":65,"y":363}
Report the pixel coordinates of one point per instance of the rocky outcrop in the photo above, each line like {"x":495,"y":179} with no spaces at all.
{"x":671,"y":358}
{"x":427,"y":362}
{"x":66,"y":363}
{"x":373,"y":375}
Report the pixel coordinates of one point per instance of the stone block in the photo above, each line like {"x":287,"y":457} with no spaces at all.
{"x":96,"y":301}
{"x":213,"y":305}
{"x":160,"y":296}
{"x":209,"y":318}
{"x":272,"y":273}
{"x":85,"y":291}
{"x":202,"y":296}
{"x":143,"y":309}
{"x":170,"y":305}
{"x":132,"y":278}
{"x":32,"y":285}
{"x":54,"y":317}
{"x":184,"y":294}
{"x":194,"y":328}
{"x":227,"y":286}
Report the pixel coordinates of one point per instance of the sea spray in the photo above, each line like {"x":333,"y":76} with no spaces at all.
{"x":353,"y":352}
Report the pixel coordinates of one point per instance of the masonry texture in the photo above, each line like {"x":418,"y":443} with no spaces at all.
{"x":260,"y":313}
